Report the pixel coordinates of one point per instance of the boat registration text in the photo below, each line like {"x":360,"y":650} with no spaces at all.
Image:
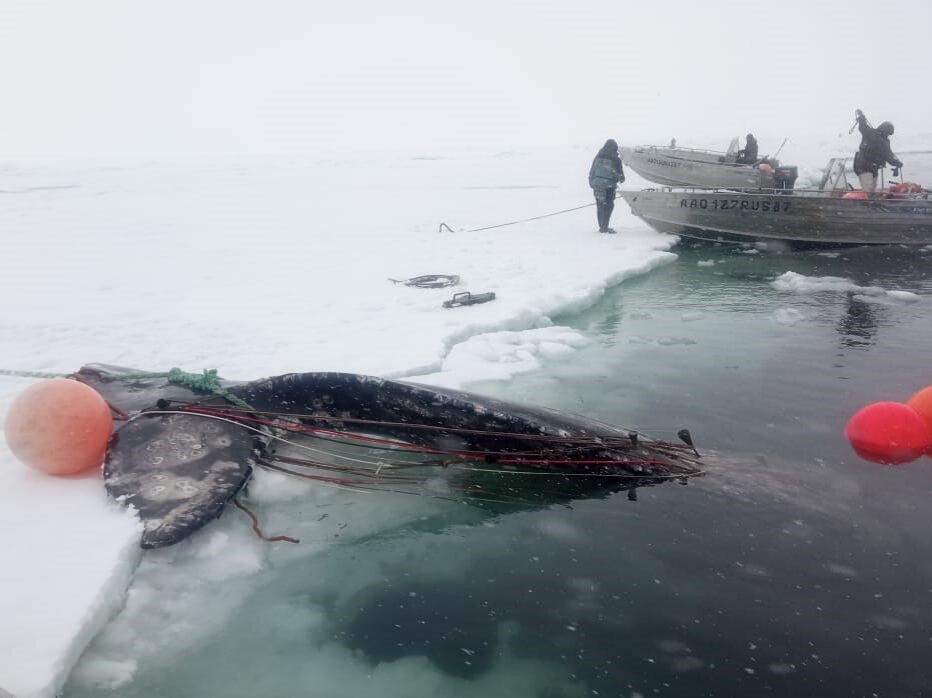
{"x":665,"y":163}
{"x":739,"y":205}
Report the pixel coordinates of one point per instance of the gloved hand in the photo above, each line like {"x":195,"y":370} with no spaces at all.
{"x":897,"y":163}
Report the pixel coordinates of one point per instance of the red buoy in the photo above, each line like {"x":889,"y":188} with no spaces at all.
{"x":889,"y":433}
{"x":59,"y":426}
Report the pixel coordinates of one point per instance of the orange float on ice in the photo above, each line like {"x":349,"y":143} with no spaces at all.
{"x":59,"y":426}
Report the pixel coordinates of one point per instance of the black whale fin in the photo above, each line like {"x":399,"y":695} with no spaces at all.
{"x":178,"y":471}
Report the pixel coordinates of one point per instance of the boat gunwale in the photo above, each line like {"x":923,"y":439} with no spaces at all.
{"x":830,"y":194}
{"x":641,"y":148}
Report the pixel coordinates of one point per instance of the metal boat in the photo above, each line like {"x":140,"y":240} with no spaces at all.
{"x":832,"y":215}
{"x":690,"y":167}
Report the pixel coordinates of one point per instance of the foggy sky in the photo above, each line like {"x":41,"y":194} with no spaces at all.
{"x":171,"y":77}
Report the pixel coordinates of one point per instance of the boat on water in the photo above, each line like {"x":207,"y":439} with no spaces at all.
{"x":829,"y":216}
{"x":690,"y":167}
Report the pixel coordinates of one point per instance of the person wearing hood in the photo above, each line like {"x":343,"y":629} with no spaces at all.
{"x":748,"y":154}
{"x":874,"y":152}
{"x":605,"y":175}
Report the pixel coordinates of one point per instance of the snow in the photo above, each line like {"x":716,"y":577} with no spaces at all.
{"x":258,"y":266}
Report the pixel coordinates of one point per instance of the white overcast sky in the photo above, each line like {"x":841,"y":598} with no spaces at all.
{"x":167,"y":77}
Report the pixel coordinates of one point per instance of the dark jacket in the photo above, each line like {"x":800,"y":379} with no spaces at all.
{"x":874,"y":151}
{"x":606,"y":171}
{"x":748,"y":156}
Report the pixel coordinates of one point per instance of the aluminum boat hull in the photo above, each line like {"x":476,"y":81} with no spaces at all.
{"x":682,"y":167}
{"x":810,"y":219}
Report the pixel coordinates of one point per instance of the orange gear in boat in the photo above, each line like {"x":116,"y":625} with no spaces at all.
{"x":904,"y":189}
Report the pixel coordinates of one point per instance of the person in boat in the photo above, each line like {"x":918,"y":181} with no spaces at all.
{"x":874,"y":152}
{"x":605,"y":175}
{"x":748,"y":154}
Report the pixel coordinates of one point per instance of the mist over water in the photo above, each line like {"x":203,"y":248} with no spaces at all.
{"x":790,"y":568}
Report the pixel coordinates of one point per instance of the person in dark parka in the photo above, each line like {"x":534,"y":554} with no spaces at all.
{"x":605,"y":174}
{"x":874,"y":152}
{"x":748,"y":155}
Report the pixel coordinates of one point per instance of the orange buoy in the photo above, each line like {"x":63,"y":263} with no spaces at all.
{"x":59,"y":426}
{"x":922,"y":403}
{"x":856,"y":195}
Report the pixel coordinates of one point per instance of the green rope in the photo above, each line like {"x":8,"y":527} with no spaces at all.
{"x":31,"y":374}
{"x":206,"y":382}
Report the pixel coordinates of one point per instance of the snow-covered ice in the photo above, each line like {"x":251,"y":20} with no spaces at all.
{"x":259,"y":266}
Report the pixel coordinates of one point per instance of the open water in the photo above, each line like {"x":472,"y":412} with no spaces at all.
{"x":791,"y":568}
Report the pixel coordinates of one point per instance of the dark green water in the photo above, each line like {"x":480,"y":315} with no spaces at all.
{"x":792,"y":568}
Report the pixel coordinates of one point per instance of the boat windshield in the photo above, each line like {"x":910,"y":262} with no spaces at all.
{"x":732,"y":148}
{"x":834,"y":177}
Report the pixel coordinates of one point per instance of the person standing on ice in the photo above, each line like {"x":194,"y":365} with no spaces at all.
{"x":605,"y":174}
{"x":874,"y":152}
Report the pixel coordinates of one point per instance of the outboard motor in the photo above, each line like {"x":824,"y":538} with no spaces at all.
{"x":784,"y":178}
